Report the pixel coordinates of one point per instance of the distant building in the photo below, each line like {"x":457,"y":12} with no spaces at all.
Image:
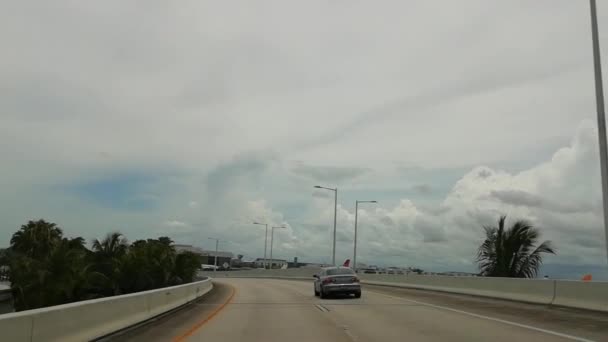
{"x":459,"y":274}
{"x":207,"y":257}
{"x":273,"y":263}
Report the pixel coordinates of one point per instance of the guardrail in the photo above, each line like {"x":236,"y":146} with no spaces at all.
{"x":91,"y":319}
{"x":566,"y":293}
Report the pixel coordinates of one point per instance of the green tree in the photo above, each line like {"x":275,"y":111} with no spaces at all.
{"x":36,"y":239}
{"x":4,"y":256}
{"x":512,"y":252}
{"x":186,"y":266}
{"x":149,"y":264}
{"x":109,"y":256}
{"x":47,"y":268}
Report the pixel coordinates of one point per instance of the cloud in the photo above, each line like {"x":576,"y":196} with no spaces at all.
{"x":525,"y":199}
{"x":123,"y":191}
{"x":243,"y":170}
{"x":447,"y":236}
{"x":328,"y":174}
{"x":175,"y":223}
{"x":321,"y":194}
{"x":423,"y":189}
{"x":214,"y":104}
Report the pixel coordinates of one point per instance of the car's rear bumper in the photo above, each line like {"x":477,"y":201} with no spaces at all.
{"x":342,"y":288}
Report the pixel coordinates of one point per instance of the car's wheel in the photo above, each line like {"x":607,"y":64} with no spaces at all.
{"x":323,"y":295}
{"x":316,"y":293}
{"x":358,"y":294}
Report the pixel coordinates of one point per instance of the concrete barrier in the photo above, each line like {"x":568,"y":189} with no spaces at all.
{"x":91,"y":319}
{"x":523,"y":290}
{"x":573,"y":294}
{"x":582,"y":295}
{"x":303,"y":272}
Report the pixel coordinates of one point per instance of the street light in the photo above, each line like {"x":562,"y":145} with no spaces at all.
{"x":355,"y":248}
{"x":601,"y":117}
{"x":333,"y":254}
{"x":217,"y":242}
{"x":271,"y":238}
{"x":265,"y":242}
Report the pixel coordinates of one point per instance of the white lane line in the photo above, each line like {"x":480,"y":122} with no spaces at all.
{"x":488,"y":318}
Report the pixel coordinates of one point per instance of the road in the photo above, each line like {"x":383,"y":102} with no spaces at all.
{"x":283,"y":310}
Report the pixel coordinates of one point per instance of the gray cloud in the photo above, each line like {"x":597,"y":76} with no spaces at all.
{"x":430,"y":231}
{"x":329,"y":174}
{"x":423,"y":189}
{"x":526,"y":199}
{"x":386,"y":220}
{"x":243,"y":169}
{"x":321,"y":194}
{"x":223,"y":94}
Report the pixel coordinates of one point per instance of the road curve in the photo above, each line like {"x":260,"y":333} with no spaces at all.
{"x":283,"y":310}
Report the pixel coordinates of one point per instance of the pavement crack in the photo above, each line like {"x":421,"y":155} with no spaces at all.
{"x":349,"y":333}
{"x":321,"y":308}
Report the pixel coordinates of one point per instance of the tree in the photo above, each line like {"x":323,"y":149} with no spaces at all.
{"x":512,"y":252}
{"x":36,"y":239}
{"x":150,"y":264}
{"x":47,"y":268}
{"x":186,"y":265}
{"x":109,"y":258}
{"x":113,"y":245}
{"x":5,"y":256}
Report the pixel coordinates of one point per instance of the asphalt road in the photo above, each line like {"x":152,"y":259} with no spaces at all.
{"x":261,"y":310}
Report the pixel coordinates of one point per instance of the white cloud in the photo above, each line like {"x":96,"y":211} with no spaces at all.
{"x":560,"y":196}
{"x":238,"y":111}
{"x":175,"y":223}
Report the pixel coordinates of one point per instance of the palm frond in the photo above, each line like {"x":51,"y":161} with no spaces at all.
{"x":511,"y":252}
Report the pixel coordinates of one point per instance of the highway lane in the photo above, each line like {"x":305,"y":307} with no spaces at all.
{"x":283,"y":310}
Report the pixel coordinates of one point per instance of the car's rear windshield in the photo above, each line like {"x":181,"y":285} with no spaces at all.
{"x":339,"y":271}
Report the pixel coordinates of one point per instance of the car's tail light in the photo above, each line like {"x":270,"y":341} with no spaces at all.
{"x":355,"y":280}
{"x":328,"y":280}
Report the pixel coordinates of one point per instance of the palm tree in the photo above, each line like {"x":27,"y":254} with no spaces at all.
{"x":186,"y":265}
{"x":36,"y":239}
{"x":113,"y":245}
{"x":109,"y":259}
{"x":512,"y":252}
{"x":62,"y":276}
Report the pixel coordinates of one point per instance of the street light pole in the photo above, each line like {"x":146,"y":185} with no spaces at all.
{"x":335,"y":190}
{"x":333,"y":254}
{"x":601,"y":117}
{"x":355,"y":240}
{"x":271,"y":241}
{"x":265,"y":243}
{"x":217,"y":242}
{"x":355,"y":247}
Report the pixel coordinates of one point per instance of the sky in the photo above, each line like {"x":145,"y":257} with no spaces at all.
{"x":193,"y":119}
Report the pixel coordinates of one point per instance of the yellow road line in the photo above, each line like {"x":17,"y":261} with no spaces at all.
{"x":198,"y":325}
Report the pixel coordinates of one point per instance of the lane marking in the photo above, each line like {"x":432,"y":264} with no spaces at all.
{"x":488,"y":318}
{"x":198,"y":325}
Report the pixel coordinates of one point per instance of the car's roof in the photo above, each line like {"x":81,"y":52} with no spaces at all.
{"x":336,"y":267}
